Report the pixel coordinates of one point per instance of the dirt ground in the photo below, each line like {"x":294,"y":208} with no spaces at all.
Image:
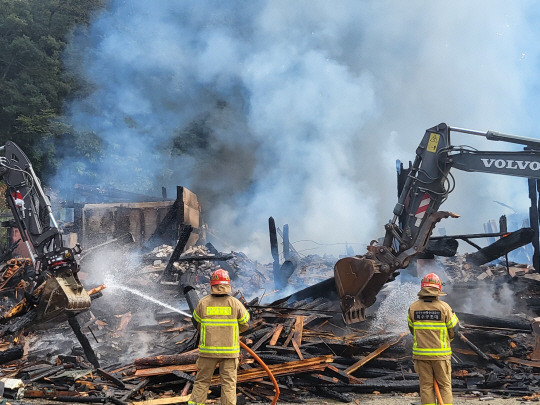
{"x":360,"y":399}
{"x":407,"y":399}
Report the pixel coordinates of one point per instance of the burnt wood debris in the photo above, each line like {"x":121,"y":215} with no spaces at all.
{"x":125,"y":349}
{"x":301,"y":338}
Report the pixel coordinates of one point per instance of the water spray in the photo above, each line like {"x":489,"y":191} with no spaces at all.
{"x":147,"y":297}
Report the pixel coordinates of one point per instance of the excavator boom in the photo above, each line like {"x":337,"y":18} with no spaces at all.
{"x":54,"y":287}
{"x":359,"y":279}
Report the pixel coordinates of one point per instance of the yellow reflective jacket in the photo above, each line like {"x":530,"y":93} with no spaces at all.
{"x":220,"y":320}
{"x":433,"y":324}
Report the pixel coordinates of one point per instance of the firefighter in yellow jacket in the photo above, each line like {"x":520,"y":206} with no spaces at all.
{"x":433,"y":325}
{"x":220,"y":318}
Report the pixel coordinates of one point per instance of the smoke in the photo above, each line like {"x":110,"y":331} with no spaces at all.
{"x":299,"y":110}
{"x":495,"y":298}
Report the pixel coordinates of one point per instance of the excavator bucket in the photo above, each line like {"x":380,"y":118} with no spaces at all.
{"x":61,"y":293}
{"x":358,"y":280}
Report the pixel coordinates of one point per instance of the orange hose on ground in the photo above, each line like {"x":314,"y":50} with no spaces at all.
{"x":265,"y":367}
{"x":437,"y":392}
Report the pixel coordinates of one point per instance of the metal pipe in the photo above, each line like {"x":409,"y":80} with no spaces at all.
{"x":499,"y":136}
{"x":31,"y":253}
{"x":37,"y":183}
{"x":467,"y":131}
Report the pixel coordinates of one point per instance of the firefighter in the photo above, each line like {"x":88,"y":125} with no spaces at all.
{"x":433,"y":325}
{"x":219,"y":318}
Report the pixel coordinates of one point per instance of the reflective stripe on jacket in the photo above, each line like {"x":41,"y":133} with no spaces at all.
{"x":433,"y":324}
{"x":221,"y":318}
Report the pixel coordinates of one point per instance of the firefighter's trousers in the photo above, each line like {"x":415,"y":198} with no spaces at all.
{"x":441,"y":370}
{"x":227,"y":375}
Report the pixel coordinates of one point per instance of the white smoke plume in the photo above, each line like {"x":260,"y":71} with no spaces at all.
{"x":301,"y":108}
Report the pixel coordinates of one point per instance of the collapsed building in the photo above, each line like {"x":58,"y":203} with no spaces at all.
{"x":136,"y":343}
{"x":147,"y":351}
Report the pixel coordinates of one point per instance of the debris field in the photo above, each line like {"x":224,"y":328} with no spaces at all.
{"x":147,"y":353}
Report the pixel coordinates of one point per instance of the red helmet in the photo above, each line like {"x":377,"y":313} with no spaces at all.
{"x":220,"y":276}
{"x":432,"y":280}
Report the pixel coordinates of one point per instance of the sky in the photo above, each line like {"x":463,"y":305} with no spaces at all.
{"x":302,"y":108}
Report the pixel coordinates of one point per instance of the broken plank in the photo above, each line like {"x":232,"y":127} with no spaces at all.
{"x":373,"y":354}
{"x":523,"y":362}
{"x":179,"y":329}
{"x":163,"y":401}
{"x":289,"y":330}
{"x":297,"y":349}
{"x":149,"y":372}
{"x":111,"y":378}
{"x":298,"y":329}
{"x":168,"y":360}
{"x":275,"y":336}
{"x":286,"y":349}
{"x":292,"y":367}
{"x":263,"y":339}
{"x":341,"y":375}
{"x":473,"y":346}
{"x":135,"y":389}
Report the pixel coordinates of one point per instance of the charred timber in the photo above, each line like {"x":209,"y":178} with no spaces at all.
{"x":81,"y":400}
{"x":330,"y":393}
{"x":517,"y":324}
{"x":278,"y":280}
{"x":325,"y":289}
{"x":135,"y":389}
{"x":200,"y":258}
{"x":223,"y":262}
{"x":183,"y":238}
{"x":473,"y":347}
{"x":14,"y":353}
{"x":369,"y":386}
{"x":501,"y":247}
{"x":83,"y":340}
{"x":168,"y":360}
{"x":109,"y":377}
{"x":446,"y":247}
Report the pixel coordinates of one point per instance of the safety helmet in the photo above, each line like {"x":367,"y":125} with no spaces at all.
{"x":220,"y":276}
{"x":432,"y":280}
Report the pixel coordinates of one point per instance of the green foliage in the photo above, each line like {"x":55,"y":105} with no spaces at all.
{"x":33,"y":86}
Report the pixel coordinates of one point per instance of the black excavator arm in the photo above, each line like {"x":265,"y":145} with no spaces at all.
{"x":54,"y":287}
{"x":358,"y":279}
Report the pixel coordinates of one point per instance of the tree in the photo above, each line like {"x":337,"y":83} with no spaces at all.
{"x":33,"y":84}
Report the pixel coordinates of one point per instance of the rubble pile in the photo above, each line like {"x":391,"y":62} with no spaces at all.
{"x":195,"y":265}
{"x":459,"y":269}
{"x":312,"y":269}
{"x":147,"y":354}
{"x":304,"y":344}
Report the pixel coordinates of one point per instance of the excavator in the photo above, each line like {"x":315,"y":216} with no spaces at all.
{"x":358,"y":279}
{"x":52,"y":291}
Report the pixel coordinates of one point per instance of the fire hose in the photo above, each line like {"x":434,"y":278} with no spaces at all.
{"x":265,"y":367}
{"x":437,"y":392}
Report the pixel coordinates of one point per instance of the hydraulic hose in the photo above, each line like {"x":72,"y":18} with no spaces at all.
{"x":265,"y":367}
{"x":437,"y":392}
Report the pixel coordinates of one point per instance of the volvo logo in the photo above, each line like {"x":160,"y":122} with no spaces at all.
{"x":511,"y":164}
